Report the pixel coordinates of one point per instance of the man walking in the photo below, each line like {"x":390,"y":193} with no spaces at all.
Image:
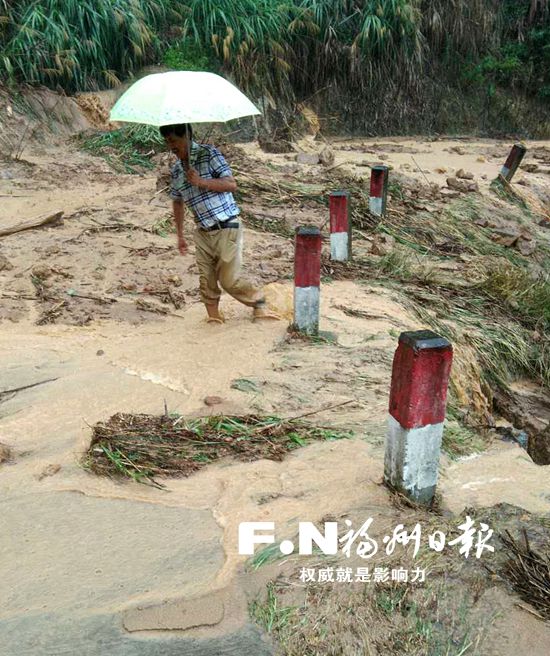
{"x":202,"y":179}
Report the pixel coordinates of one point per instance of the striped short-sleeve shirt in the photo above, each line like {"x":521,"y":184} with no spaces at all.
{"x":209,"y":207}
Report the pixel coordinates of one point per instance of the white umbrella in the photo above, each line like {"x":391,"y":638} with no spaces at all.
{"x":182,"y":97}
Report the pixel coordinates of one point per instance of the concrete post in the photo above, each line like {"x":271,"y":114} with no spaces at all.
{"x":307,"y":279}
{"x":378,"y":190}
{"x":420,"y":377}
{"x":340,"y":226}
{"x":512,"y":163}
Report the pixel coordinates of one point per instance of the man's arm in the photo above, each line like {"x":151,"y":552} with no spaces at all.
{"x":227,"y":183}
{"x":177,"y":206}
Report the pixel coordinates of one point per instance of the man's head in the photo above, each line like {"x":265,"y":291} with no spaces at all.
{"x":178,"y":137}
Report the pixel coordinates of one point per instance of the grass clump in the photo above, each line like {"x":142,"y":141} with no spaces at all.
{"x":526,"y":296}
{"x":271,"y":615}
{"x":396,"y":263}
{"x":128,"y":149}
{"x":187,"y":56}
{"x":141,"y":447}
{"x":164,"y":226}
{"x":405,"y":264}
{"x":392,"y":619}
{"x":505,"y":348}
{"x":460,"y":440}
{"x":528,"y":571}
{"x":436,"y":617}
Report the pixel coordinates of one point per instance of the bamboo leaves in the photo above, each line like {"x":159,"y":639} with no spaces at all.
{"x":78,"y":45}
{"x":285,"y":49}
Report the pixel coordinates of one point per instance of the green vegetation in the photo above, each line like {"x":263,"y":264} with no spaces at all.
{"x":269,"y":554}
{"x":438,"y":617}
{"x":505,"y":347}
{"x":390,"y":618}
{"x":526,"y":296}
{"x":144,"y":447}
{"x":164,"y":226}
{"x":499,"y":303}
{"x":445,"y":65}
{"x":271,"y":615}
{"x":187,"y":56}
{"x":79,"y":44}
{"x":459,"y":440}
{"x":521,"y":62}
{"x":127,"y":149}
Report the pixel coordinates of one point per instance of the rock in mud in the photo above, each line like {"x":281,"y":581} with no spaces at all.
{"x":512,"y":237}
{"x":49,"y":470}
{"x":213,"y":400}
{"x":530,"y":167}
{"x":307,"y":158}
{"x":462,"y":185}
{"x":382,"y":245}
{"x":526,"y":245}
{"x":276,"y":146}
{"x":449,"y":193}
{"x":41,"y":271}
{"x":539,"y":447}
{"x":464,"y":175}
{"x":326,"y":157}
{"x":505,"y":236}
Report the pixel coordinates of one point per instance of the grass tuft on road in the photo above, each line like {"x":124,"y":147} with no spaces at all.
{"x":128,"y":149}
{"x":143,"y":447}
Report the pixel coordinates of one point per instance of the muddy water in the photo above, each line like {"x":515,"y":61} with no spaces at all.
{"x":181,"y":361}
{"x":98,"y":551}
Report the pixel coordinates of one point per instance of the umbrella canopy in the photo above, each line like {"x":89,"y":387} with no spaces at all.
{"x":181,"y":97}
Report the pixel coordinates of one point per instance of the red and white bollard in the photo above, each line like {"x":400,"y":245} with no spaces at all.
{"x":512,"y":163}
{"x":307,"y":279}
{"x":418,"y":398}
{"x":378,"y":190}
{"x":340,"y":226}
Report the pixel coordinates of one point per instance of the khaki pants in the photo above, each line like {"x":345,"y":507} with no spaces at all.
{"x":219,"y":258}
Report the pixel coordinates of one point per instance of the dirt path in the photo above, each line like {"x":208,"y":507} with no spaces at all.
{"x":425,"y":159}
{"x":93,"y":566}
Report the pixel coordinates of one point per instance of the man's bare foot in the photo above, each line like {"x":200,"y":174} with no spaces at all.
{"x":262,"y":312}
{"x":214,"y":314}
